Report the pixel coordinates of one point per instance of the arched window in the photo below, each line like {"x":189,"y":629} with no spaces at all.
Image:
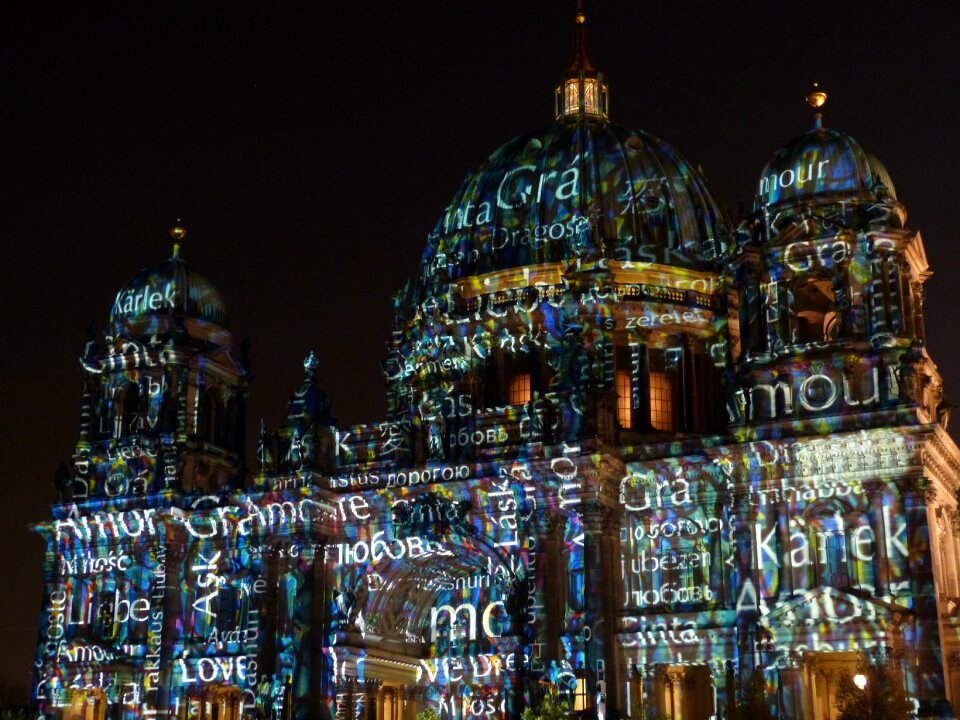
{"x":815,"y":310}
{"x":519,"y":393}
{"x":886,"y":296}
{"x":126,"y":408}
{"x":389,"y":703}
{"x":629,"y":361}
{"x":665,"y":383}
{"x":204,"y":414}
{"x":227,"y":426}
{"x":211,"y":416}
{"x":842,"y":552}
{"x":105,"y":413}
{"x":511,"y":378}
{"x":169,"y":404}
{"x":624,"y":398}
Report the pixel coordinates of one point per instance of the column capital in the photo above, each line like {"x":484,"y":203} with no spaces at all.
{"x":596,"y":517}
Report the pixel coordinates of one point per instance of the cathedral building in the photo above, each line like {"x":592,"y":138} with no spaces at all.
{"x":636,"y":454}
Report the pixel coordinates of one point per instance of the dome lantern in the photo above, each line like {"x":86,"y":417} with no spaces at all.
{"x":583,"y":89}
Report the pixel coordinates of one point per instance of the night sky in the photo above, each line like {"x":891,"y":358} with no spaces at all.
{"x":310,"y":148}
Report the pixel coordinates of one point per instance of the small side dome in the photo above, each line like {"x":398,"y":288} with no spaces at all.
{"x":822,"y":166}
{"x":168,"y":289}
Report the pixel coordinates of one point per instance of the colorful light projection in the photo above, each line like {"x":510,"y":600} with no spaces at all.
{"x":821,"y":164}
{"x":525,"y":205}
{"x":475,"y":544}
{"x":473,"y":568}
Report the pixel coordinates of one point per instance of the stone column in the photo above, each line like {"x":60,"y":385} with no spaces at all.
{"x":371,"y":693}
{"x":613,"y":601}
{"x":553,"y":569}
{"x":318,"y":697}
{"x":785,"y":571}
{"x":919,"y":327}
{"x":881,"y":571}
{"x":719,"y":570}
{"x":175,"y":569}
{"x":790,"y":687}
{"x":930,"y":690}
{"x":745,"y":517}
{"x":722,"y":692}
{"x":268,"y":652}
{"x":601,"y":559}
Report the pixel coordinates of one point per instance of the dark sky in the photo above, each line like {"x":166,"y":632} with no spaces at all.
{"x":310,"y":147}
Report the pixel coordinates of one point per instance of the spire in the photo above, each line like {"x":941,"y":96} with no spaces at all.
{"x":581,"y":60}
{"x":583,"y":90}
{"x":816,"y":99}
{"x":178,"y":233}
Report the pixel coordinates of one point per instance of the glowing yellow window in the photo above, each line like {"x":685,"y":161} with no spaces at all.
{"x":591,"y":103}
{"x":624,"y":400}
{"x":661,"y":400}
{"x":520,"y":389}
{"x":580,"y":699}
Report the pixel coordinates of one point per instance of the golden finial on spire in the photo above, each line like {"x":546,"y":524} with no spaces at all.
{"x":177,"y":232}
{"x":581,"y":16}
{"x":816,"y":97}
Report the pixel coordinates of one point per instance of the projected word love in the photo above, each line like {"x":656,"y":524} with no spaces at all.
{"x":133,"y":301}
{"x":208,"y":670}
{"x":791,"y":177}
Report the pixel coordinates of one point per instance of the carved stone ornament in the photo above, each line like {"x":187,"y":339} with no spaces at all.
{"x":556,"y":524}
{"x":954,"y":517}
{"x":953,"y":660}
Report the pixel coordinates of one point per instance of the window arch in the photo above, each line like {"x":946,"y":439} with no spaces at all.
{"x":227,"y":427}
{"x":815,"y":310}
{"x":126,"y":410}
{"x":511,"y":378}
{"x":671,"y":384}
{"x":886,"y":295}
{"x":665,"y":387}
{"x":211,"y":416}
{"x":629,"y":359}
{"x":842,"y":546}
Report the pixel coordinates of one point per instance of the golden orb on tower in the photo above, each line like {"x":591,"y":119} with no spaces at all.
{"x":816,"y":97}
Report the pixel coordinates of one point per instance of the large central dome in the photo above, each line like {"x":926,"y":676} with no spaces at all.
{"x":581,"y":187}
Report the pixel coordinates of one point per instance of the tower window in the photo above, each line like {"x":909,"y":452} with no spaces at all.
{"x":886,"y":300}
{"x":829,"y":539}
{"x":624,"y":399}
{"x":661,"y":399}
{"x":592,"y":91}
{"x":520,"y":388}
{"x":815,"y":306}
{"x":581,"y":698}
{"x":126,"y":410}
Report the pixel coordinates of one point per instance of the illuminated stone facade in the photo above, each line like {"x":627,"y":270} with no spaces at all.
{"x":632,"y":453}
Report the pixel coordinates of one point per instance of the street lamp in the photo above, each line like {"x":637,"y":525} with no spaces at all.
{"x":860,"y":680}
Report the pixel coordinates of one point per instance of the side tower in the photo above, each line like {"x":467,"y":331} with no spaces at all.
{"x":164,"y":392}
{"x":855,"y":512}
{"x":161,"y":434}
